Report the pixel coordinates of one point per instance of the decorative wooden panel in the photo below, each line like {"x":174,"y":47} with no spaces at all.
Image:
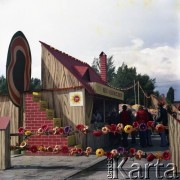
{"x":54,"y":74}
{"x":70,"y":115}
{"x":174,"y":138}
{"x":59,"y":101}
{"x":8,"y":109}
{"x":97,"y":142}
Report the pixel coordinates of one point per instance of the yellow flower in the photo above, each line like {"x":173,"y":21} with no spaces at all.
{"x":128,"y":129}
{"x":23,"y":144}
{"x":99,"y":152}
{"x":158,"y":155}
{"x":27,"y":133}
{"x":139,"y":154}
{"x":41,"y":148}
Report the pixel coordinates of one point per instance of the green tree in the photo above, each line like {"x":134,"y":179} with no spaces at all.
{"x":3,"y":85}
{"x":96,"y":65}
{"x":125,"y":78}
{"x":35,"y":84}
{"x":147,"y":86}
{"x":110,"y":68}
{"x":170,"y":96}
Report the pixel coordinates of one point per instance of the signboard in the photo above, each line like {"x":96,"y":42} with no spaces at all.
{"x":107,"y":91}
{"x":76,"y":98}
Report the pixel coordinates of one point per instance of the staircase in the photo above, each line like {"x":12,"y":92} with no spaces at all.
{"x":37,"y":114}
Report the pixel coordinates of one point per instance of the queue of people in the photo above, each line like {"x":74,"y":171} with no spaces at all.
{"x":127,"y":117}
{"x":142,"y":115}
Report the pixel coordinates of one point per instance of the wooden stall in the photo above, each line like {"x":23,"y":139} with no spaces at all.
{"x":72,"y":89}
{"x":5,"y":155}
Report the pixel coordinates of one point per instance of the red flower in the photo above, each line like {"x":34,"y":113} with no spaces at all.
{"x":45,"y":127}
{"x":109,"y":155}
{"x":150,"y":157}
{"x":135,"y":124}
{"x":97,"y":133}
{"x":21,"y":130}
{"x":80,"y":127}
{"x":34,"y":149}
{"x":166,"y":155}
{"x":160,"y":128}
{"x":64,"y":149}
{"x":113,"y":128}
{"x":61,"y":131}
{"x":79,"y":151}
{"x":150,"y":124}
{"x":132,"y":150}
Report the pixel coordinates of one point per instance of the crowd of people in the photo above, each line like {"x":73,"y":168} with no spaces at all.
{"x":128,"y":116}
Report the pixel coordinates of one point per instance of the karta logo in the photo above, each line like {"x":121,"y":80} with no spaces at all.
{"x":118,"y":170}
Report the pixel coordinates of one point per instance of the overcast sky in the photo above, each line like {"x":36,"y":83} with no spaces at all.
{"x":142,"y":33}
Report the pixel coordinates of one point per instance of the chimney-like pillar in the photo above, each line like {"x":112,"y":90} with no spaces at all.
{"x":103,"y":66}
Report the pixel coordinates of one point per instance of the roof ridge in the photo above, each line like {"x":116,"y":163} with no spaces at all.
{"x":63,"y":53}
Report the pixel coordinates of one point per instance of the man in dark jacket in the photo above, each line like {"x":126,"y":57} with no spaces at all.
{"x":125,"y":119}
{"x":163,"y":119}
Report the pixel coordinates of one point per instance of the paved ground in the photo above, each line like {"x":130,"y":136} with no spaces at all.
{"x":100,"y":170}
{"x":47,"y":167}
{"x":64,"y":167}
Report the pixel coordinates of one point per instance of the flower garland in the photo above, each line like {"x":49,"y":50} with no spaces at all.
{"x":75,"y":151}
{"x":133,"y":153}
{"x":45,"y":130}
{"x":113,"y":128}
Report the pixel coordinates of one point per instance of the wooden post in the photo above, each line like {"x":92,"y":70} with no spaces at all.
{"x":135,"y":92}
{"x":5,"y":154}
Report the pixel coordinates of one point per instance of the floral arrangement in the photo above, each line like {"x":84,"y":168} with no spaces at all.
{"x":45,"y":130}
{"x":82,"y":128}
{"x":133,"y":153}
{"x":113,"y":128}
{"x":75,"y":151}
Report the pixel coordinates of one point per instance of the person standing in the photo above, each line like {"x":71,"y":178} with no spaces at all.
{"x":142,"y":117}
{"x":125,"y":119}
{"x":113,"y":119}
{"x":149,"y":131}
{"x":133,"y":118}
{"x":162,"y":118}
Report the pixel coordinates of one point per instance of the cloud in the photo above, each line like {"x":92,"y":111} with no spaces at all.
{"x":161,"y":63}
{"x":141,"y":33}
